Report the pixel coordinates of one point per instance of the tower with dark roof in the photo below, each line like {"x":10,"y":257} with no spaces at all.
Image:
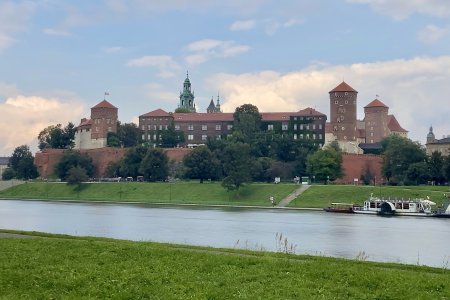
{"x":187,"y":97}
{"x":343,"y":99}
{"x":376,"y":121}
{"x":430,"y":136}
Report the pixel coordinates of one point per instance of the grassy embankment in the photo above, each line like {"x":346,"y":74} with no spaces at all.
{"x":257,"y":194}
{"x":177,"y":193}
{"x":319,"y":196}
{"x":80,"y":267}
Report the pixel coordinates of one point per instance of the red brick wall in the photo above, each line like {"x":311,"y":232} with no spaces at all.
{"x":353,"y":166}
{"x":101,"y":157}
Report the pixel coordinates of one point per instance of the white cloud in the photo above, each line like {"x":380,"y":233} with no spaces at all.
{"x":14,"y":16}
{"x":23,"y":117}
{"x":414,"y":90}
{"x":243,"y":25}
{"x":206,"y":49}
{"x":400,"y":9}
{"x":166,"y":65}
{"x":431,"y":34}
{"x":57,"y":32}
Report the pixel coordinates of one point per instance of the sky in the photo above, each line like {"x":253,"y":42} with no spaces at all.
{"x":59,"y":57}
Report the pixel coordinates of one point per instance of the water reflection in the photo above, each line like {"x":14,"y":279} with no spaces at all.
{"x":402,"y":239}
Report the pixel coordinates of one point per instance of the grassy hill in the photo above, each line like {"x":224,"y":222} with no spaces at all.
{"x":56,"y":267}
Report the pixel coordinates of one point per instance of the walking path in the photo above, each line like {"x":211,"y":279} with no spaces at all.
{"x":285,"y":202}
{"x":10,"y":183}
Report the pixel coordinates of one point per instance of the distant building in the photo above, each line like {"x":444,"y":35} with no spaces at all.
{"x":307,"y":124}
{"x":433,"y":144}
{"x":354,"y":135}
{"x":92,"y":133}
{"x":4,"y":161}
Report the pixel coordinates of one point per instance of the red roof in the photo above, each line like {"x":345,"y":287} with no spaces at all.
{"x":343,"y":87}
{"x":308,"y":111}
{"x":104,"y":104}
{"x":192,"y":117}
{"x":85,"y":122}
{"x":156,"y":113}
{"x":376,"y":103}
{"x":393,"y":125}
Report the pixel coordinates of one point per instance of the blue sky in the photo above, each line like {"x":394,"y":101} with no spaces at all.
{"x":58,"y":57}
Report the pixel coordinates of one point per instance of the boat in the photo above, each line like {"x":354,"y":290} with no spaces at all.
{"x":397,"y":207}
{"x":340,"y":208}
{"x":444,"y":212}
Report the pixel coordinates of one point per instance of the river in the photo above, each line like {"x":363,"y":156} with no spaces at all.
{"x":411,"y":240}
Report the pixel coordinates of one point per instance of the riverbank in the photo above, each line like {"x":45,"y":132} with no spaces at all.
{"x":57,"y":266}
{"x":212,"y":193}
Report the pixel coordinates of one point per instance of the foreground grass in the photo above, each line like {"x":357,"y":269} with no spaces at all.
{"x":177,"y":193}
{"x":55,"y":266}
{"x":319,"y":196}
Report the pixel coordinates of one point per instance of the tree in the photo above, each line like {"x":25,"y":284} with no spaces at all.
{"x":76,"y":176}
{"x":325,"y":164}
{"x":154,"y":166}
{"x":57,"y":137}
{"x":171,"y":138}
{"x":447,"y":168}
{"x":417,"y":173}
{"x":436,"y":167}
{"x":71,"y":159}
{"x":247,"y":122}
{"x":367,"y":175}
{"x":22,"y":163}
{"x":131,"y":161}
{"x":201,"y":164}
{"x":128,"y":135}
{"x":8,"y":174}
{"x":398,"y":154}
{"x":237,"y":163}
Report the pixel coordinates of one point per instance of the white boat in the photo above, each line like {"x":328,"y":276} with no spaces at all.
{"x":397,"y":207}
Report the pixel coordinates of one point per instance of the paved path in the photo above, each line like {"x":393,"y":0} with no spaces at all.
{"x":285,"y":202}
{"x":9,"y":183}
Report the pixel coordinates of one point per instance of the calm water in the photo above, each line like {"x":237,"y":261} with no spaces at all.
{"x":412,"y":240}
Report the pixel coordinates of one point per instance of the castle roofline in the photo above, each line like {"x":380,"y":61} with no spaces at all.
{"x":156,"y":113}
{"x":343,"y":87}
{"x":393,"y":125}
{"x":104,"y":104}
{"x":376,"y":103}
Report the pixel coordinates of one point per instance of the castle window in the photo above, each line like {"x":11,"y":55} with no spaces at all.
{"x":154,"y":127}
{"x":295,"y":126}
{"x":342,"y":118}
{"x":307,"y":127}
{"x":143,"y":127}
{"x":295,"y":118}
{"x":346,"y":93}
{"x":148,"y":137}
{"x":96,"y":129}
{"x":149,"y":127}
{"x":301,"y":136}
{"x":314,"y":136}
{"x":160,"y":127}
{"x":295,"y":136}
{"x":335,"y":128}
{"x":190,"y":137}
{"x":143,"y":137}
{"x":284,"y":127}
{"x":190,"y":127}
{"x":301,"y":126}
{"x":336,"y":102}
{"x":320,"y":136}
{"x":218,"y":127}
{"x":154,"y":137}
{"x":218,"y":137}
{"x":371,"y":134}
{"x":320,"y":126}
{"x":165,"y":127}
{"x":177,"y":127}
{"x":204,"y":127}
{"x":343,"y":128}
{"x":229,"y":126}
{"x":307,"y":136}
{"x":314,"y":126}
{"x":346,"y":101}
{"x":270,"y":127}
{"x":204,"y":137}
{"x":109,"y":129}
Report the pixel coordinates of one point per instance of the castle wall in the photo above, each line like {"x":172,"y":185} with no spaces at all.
{"x":354,"y":166}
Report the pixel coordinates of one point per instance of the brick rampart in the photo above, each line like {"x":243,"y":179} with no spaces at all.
{"x":354,"y":165}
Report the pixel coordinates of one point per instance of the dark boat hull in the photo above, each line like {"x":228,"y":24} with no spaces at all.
{"x":339,"y":210}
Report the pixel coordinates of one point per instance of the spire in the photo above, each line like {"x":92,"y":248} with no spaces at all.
{"x":218,"y":103}
{"x":430,"y":136}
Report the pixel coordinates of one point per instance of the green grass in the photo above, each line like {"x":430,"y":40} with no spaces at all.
{"x":319,"y":196}
{"x":56,"y":267}
{"x":178,"y":193}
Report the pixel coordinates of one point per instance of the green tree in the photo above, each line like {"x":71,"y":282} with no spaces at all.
{"x":237,"y":164}
{"x":398,"y":154}
{"x":71,"y":159}
{"x":22,"y":163}
{"x":447,"y":169}
{"x":436,"y":167}
{"x":201,"y":164}
{"x":57,"y":137}
{"x":247,"y":122}
{"x":325,"y":164}
{"x":8,"y":174}
{"x":155,"y":165}
{"x":131,"y":161}
{"x":417,"y":173}
{"x":171,"y":138}
{"x":367,"y":175}
{"x":76,"y":176}
{"x":128,"y":135}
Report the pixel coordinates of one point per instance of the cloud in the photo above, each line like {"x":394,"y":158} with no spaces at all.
{"x":401,"y":9}
{"x":23,"y":117}
{"x":114,"y":49}
{"x":272,"y":26}
{"x":166,"y":65}
{"x":157,"y":94}
{"x":431,"y":34}
{"x":57,"y":32}
{"x":243,"y":25}
{"x":412,"y":89}
{"x":206,"y":49}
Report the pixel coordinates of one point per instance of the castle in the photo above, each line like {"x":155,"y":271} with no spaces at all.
{"x":310,"y":125}
{"x":439,"y":145}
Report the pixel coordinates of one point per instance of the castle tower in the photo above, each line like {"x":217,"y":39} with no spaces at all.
{"x":104,"y":120}
{"x":187,"y":97}
{"x":343,"y":112}
{"x":218,"y":104}
{"x":430,"y":136}
{"x":211,"y":107}
{"x":376,"y":121}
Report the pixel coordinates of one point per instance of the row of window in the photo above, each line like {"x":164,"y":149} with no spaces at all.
{"x":307,"y":118}
{"x":346,"y":102}
{"x":307,"y":136}
{"x":296,"y":126}
{"x":108,"y":121}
